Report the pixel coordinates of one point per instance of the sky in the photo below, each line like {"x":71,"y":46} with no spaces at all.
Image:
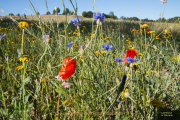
{"x":150,"y":9}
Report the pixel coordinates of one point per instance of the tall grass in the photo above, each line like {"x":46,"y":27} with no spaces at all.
{"x":31,"y":91}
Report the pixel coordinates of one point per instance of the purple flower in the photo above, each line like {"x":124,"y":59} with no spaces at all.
{"x":76,"y":21}
{"x":59,"y":78}
{"x":3,"y":36}
{"x":118,"y":59}
{"x":107,"y":47}
{"x":61,"y":40}
{"x":70,"y":44}
{"x":65,"y":84}
{"x":99,"y":16}
{"x":130,"y":59}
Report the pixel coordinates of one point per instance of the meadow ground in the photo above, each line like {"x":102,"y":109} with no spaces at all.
{"x":59,"y":70}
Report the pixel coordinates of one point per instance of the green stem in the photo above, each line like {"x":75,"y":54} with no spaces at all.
{"x":127,"y":108}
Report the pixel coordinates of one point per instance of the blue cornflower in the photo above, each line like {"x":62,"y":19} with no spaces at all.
{"x":70,"y":44}
{"x":107,"y":47}
{"x":76,"y":21}
{"x":6,"y":56}
{"x":99,"y":16}
{"x":130,"y":59}
{"x":118,"y":59}
{"x":61,"y":40}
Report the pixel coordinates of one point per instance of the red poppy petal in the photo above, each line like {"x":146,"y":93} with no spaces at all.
{"x":68,"y":68}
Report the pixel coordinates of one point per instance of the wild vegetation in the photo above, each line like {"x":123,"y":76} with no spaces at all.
{"x":89,"y":69}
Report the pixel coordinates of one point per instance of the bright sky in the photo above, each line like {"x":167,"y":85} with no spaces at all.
{"x":147,"y":8}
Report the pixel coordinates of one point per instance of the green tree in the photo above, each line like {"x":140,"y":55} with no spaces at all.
{"x":111,"y":13}
{"x":71,"y":12}
{"x":84,"y":14}
{"x":123,"y":17}
{"x":90,"y":14}
{"x":37,"y":13}
{"x":11,"y":14}
{"x":56,"y":11}
{"x":48,"y":13}
{"x":66,"y":11}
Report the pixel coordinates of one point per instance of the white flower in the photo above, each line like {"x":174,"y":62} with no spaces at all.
{"x":163,"y":1}
{"x":126,"y":94}
{"x":122,"y":35}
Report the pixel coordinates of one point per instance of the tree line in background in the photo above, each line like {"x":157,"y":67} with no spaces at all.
{"x":89,"y":14}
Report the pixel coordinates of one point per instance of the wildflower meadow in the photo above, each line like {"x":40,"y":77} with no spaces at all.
{"x":94,"y":69}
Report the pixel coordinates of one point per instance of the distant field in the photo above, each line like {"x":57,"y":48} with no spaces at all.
{"x":43,"y":17}
{"x":173,"y":27}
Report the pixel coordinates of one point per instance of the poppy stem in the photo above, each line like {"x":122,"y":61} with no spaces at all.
{"x":58,"y":107}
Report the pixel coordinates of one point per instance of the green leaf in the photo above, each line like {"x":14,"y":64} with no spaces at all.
{"x":61,"y":91}
{"x":30,"y":105}
{"x":26,"y":80}
{"x":26,"y":98}
{"x":117,"y":81}
{"x":148,"y":57}
{"x":2,"y":111}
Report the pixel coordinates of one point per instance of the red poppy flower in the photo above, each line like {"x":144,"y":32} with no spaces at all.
{"x":130,"y":53}
{"x":68,"y":68}
{"x":147,"y":31}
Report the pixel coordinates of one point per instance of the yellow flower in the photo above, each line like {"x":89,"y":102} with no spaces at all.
{"x":20,"y":67}
{"x":157,"y":103}
{"x":104,"y":52}
{"x":157,"y":38}
{"x":20,"y":59}
{"x":97,"y":52}
{"x":147,"y":72}
{"x":149,"y":101}
{"x":1,"y":66}
{"x":151,"y":31}
{"x":133,"y":47}
{"x":1,"y":19}
{"x":67,"y":102}
{"x":144,"y":26}
{"x":166,"y":31}
{"x":108,"y":38}
{"x":128,"y":74}
{"x":137,"y":71}
{"x":140,"y":54}
{"x":43,"y":80}
{"x":104,"y":65}
{"x":25,"y":24}
{"x":145,"y":45}
{"x":33,"y":56}
{"x":123,"y":94}
{"x":134,"y":63}
{"x":133,"y":30}
{"x":162,"y":42}
{"x":26,"y":57}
